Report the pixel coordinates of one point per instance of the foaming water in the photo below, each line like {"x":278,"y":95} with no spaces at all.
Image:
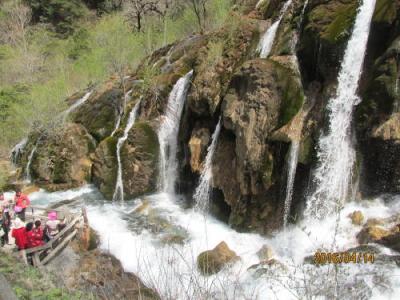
{"x":119,"y":185}
{"x":336,"y":155}
{"x":268,"y":38}
{"x":202,"y":193}
{"x":168,"y":134}
{"x":171,"y":268}
{"x":292,"y":166}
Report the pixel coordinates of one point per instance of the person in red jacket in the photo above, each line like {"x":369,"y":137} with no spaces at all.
{"x":19,"y":234}
{"x":21,"y":203}
{"x":33,"y":240}
{"x":37,"y":234}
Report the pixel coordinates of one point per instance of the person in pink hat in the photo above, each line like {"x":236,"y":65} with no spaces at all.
{"x":51,"y":225}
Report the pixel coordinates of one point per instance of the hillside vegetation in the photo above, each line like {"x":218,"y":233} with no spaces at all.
{"x":51,"y":49}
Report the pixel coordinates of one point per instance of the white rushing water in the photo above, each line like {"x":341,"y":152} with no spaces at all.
{"x":120,"y":114}
{"x":202,"y":193}
{"x":267,"y":40}
{"x":336,"y":155}
{"x":168,"y":134}
{"x":17,"y":151}
{"x":77,"y":104}
{"x":171,"y":269}
{"x":28,"y":176}
{"x":292,"y":166}
{"x":303,"y":12}
{"x":119,"y":185}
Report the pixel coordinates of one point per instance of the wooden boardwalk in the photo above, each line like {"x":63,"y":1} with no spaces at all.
{"x":43,"y":254}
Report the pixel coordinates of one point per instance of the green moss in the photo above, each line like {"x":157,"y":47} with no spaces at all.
{"x":111,"y":142}
{"x":292,"y":94}
{"x":306,"y":150}
{"x":333,"y":21}
{"x":385,"y":11}
{"x":149,"y":143}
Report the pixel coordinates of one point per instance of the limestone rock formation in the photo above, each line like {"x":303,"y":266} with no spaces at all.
{"x":64,"y":158}
{"x":212,"y":261}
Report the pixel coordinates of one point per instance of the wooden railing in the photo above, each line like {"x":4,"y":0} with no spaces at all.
{"x":43,"y":254}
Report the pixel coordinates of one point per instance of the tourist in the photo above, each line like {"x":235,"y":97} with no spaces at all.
{"x":5,"y":220}
{"x":19,"y":234}
{"x":38,"y":231}
{"x":21,"y":203}
{"x":51,"y":225}
{"x":33,"y":239}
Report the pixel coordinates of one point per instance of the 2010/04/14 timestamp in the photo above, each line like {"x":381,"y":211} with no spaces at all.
{"x":343,"y":257}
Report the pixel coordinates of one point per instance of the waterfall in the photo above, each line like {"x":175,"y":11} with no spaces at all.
{"x":267,"y":40}
{"x":119,"y":117}
{"x":77,"y":104}
{"x":336,"y":155}
{"x":28,"y":176}
{"x":168,"y":134}
{"x":303,"y":12}
{"x":202,"y":193}
{"x":119,"y":185}
{"x":17,"y":151}
{"x":292,"y":165}
{"x":117,"y":123}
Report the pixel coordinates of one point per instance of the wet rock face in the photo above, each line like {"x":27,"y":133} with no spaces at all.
{"x":378,"y":123}
{"x":64,"y":159}
{"x":139,"y":157}
{"x":198,"y":148}
{"x":104,"y":171}
{"x":99,"y":113}
{"x":247,"y":166}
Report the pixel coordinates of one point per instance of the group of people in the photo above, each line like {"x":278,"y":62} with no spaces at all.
{"x":9,"y":210}
{"x":32,"y":234}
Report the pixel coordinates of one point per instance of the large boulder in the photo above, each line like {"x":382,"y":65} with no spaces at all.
{"x":104,"y":171}
{"x":63,"y":158}
{"x":139,"y":157}
{"x":371,"y":234}
{"x":212,"y":261}
{"x":99,"y":113}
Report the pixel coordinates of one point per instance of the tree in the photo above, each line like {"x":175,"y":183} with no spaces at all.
{"x":136,"y":10}
{"x":62,"y":14}
{"x":199,"y":8}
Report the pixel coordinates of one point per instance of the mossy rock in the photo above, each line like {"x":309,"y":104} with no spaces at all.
{"x":104,"y":170}
{"x":139,"y":157}
{"x":99,"y":113}
{"x":385,"y":11}
{"x":333,"y":20}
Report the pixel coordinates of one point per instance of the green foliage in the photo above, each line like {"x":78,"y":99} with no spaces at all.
{"x":29,"y":283}
{"x":62,"y":14}
{"x":39,"y":72}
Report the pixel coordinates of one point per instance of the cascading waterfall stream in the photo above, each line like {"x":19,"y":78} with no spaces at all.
{"x":28,"y":176}
{"x":119,"y":185}
{"x":119,"y":117}
{"x":168,"y":134}
{"x":17,"y":151}
{"x":202,"y":193}
{"x":77,"y":104}
{"x":336,"y":155}
{"x":267,"y":40}
{"x":292,"y":166}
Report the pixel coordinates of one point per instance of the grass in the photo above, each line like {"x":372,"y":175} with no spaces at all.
{"x":30,"y":283}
